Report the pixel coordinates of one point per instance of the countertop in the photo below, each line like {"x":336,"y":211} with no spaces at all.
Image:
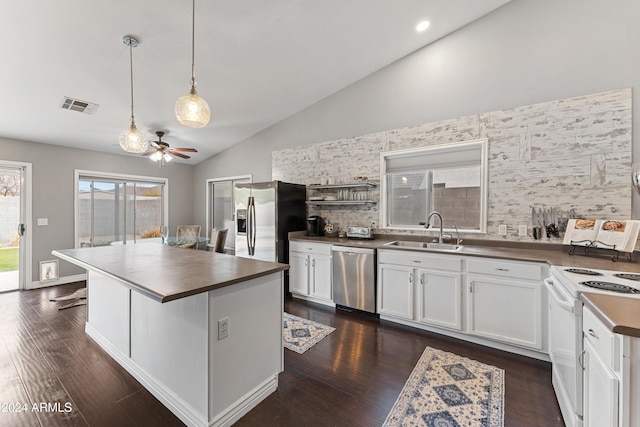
{"x":552,"y":254}
{"x":621,"y":315}
{"x":167,"y":273}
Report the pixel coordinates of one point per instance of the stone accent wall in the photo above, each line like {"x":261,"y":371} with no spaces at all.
{"x":570,"y":154}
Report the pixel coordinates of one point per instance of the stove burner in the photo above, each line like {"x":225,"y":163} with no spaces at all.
{"x":628,"y":276}
{"x":581,"y":271}
{"x":608,"y":286}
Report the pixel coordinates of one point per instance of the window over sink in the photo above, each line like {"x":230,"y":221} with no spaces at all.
{"x":450,"y":179}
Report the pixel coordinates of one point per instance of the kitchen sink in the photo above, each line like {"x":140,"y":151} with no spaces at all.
{"x":424,"y":245}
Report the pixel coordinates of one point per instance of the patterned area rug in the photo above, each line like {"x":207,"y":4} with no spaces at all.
{"x":446,"y":390}
{"x":302,"y":334}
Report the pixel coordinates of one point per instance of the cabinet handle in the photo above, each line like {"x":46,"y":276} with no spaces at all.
{"x":471,"y":287}
{"x":422,"y":281}
{"x":416,"y":261}
{"x":581,"y":359}
{"x":593,"y":334}
{"x":502,"y":269}
{"x":410,"y":278}
{"x":306,"y":262}
{"x":313,"y":263}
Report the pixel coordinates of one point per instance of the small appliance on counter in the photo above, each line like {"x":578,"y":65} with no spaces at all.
{"x":315,"y":226}
{"x":356,"y":232}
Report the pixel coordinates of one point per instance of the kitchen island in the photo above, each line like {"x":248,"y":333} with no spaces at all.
{"x":202,"y":331}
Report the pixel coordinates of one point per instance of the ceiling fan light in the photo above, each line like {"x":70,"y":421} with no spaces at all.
{"x":167,"y":157}
{"x":192,"y":110}
{"x":132,"y":140}
{"x":156,"y":156}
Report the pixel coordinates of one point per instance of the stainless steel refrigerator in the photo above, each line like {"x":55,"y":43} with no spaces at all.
{"x":265,"y":213}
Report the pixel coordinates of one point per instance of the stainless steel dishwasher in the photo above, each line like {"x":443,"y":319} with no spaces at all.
{"x":354,"y":278}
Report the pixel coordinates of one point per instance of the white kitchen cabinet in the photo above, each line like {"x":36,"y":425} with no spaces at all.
{"x":505,"y":302}
{"x":601,"y":388}
{"x":310,"y":268}
{"x":410,"y":287}
{"x":507,"y":310}
{"x":395,"y":291}
{"x":439,"y":298}
{"x":299,"y":273}
{"x":611,"y":394}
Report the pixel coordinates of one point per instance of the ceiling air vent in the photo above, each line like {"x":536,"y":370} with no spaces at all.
{"x":77,"y":105}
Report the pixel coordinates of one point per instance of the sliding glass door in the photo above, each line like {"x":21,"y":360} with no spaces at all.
{"x":221,"y":207}
{"x":118,"y":211}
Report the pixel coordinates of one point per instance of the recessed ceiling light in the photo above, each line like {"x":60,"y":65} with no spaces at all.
{"x":423,"y":26}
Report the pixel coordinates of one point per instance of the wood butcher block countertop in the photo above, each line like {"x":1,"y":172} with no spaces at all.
{"x":621,"y":315}
{"x":167,"y":273}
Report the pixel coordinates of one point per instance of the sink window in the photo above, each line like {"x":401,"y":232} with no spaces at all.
{"x":450,"y":179}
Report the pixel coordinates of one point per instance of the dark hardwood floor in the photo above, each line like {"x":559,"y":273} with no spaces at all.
{"x":351,"y":378}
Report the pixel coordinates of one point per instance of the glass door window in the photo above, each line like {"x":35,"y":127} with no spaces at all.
{"x":10,"y":219}
{"x":221,"y":208}
{"x":122,"y":211}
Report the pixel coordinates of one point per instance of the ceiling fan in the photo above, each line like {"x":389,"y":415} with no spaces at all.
{"x":160,"y":151}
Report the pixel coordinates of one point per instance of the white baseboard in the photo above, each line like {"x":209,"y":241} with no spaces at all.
{"x":60,"y":281}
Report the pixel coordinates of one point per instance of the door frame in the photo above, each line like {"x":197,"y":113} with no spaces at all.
{"x":25,"y":267}
{"x":208,"y":200}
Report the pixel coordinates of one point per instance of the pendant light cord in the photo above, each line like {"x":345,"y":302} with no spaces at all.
{"x":131,"y":72}
{"x":193,"y":44}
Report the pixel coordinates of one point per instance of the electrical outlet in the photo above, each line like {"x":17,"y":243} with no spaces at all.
{"x":43,"y":221}
{"x":502,"y":229}
{"x":522,"y":230}
{"x":223,"y":328}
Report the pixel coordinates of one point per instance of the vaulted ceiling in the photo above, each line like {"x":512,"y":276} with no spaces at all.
{"x":257,"y":62}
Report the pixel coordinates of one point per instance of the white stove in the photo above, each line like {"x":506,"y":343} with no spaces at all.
{"x":579,"y":280}
{"x":565,"y":327}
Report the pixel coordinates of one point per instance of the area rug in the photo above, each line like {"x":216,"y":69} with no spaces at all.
{"x":448,"y":390}
{"x":77,"y":298}
{"x":302,"y":334}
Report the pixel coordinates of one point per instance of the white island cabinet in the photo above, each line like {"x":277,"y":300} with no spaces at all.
{"x":160,"y":312}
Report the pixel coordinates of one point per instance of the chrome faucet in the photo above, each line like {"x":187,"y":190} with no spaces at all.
{"x":441,"y":225}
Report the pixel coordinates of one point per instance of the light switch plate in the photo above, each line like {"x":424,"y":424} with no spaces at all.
{"x":502,"y":229}
{"x":43,"y":221}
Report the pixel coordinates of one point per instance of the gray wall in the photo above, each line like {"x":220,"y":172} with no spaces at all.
{"x":53,"y":186}
{"x":526,"y":52}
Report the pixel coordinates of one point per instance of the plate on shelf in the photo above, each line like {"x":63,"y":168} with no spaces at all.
{"x":330,"y":198}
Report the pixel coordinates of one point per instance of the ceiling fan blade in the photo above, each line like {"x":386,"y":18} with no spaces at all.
{"x":174,"y":153}
{"x":190,"y":150}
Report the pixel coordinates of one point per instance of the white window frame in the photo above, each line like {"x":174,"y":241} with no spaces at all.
{"x":77,"y":173}
{"x":444,"y":148}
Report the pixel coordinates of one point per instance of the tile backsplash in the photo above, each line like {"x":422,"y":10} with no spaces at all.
{"x":569,"y":154}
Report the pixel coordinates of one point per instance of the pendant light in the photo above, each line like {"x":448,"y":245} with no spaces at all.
{"x":191,"y":109}
{"x":132,"y":140}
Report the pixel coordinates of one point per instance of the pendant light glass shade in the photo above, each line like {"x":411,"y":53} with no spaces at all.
{"x":191,"y":109}
{"x":132,"y":140}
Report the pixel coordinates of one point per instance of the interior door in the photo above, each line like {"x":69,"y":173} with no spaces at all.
{"x":12,"y":227}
